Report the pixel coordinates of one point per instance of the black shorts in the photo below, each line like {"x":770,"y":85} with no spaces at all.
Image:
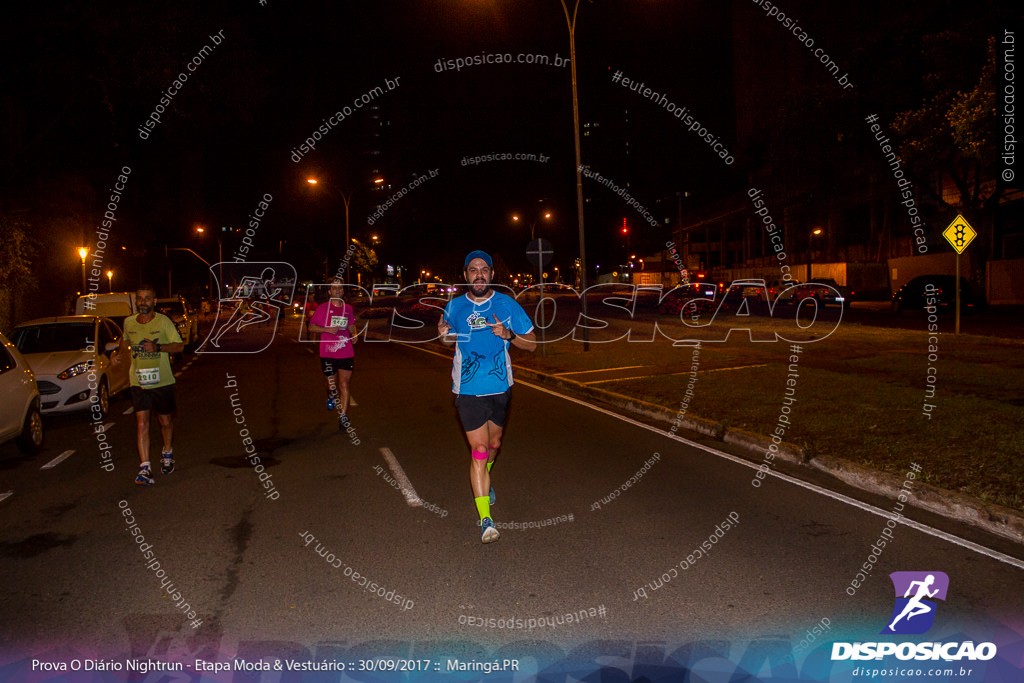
{"x":160,"y":399}
{"x":332,"y":365}
{"x":475,"y":411}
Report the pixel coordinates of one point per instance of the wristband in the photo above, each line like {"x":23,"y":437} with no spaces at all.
{"x":159,"y":346}
{"x":511,"y":332}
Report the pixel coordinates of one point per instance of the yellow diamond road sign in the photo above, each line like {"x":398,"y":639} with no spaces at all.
{"x":959,"y":234}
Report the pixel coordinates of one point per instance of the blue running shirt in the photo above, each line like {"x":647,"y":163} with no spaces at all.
{"x":481,"y":365}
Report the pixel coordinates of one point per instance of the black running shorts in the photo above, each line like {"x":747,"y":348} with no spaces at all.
{"x":476,"y":411}
{"x":332,"y":365}
{"x":160,"y":399}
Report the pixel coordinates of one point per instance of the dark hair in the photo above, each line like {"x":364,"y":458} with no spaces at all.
{"x":146,"y":288}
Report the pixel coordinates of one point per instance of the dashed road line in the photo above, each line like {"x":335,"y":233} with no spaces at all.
{"x":411,"y":497}
{"x":738,"y":367}
{"x":58,"y":460}
{"x":584,"y":372}
{"x":5,"y":495}
{"x":128,"y":411}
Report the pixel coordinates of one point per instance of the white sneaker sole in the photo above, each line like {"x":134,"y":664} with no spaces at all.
{"x":490,"y":535}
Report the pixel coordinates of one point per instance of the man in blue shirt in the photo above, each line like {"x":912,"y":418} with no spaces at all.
{"x":482,"y":324}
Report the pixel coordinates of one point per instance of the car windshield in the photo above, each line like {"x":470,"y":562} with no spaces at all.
{"x":169,"y":308}
{"x":54,"y":338}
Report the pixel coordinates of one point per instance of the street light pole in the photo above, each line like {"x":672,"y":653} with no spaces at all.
{"x":220,"y":261}
{"x":579,"y":169}
{"x":83,"y":252}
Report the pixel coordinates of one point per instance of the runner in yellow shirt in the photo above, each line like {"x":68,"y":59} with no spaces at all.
{"x":151,"y":338}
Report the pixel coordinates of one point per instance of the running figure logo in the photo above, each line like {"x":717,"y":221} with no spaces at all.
{"x":250,"y":307}
{"x":914,"y":612}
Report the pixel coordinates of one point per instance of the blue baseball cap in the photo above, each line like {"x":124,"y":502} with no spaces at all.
{"x":478,"y":254}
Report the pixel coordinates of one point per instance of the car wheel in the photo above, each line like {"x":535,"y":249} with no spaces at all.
{"x":31,"y":439}
{"x":103,"y":398}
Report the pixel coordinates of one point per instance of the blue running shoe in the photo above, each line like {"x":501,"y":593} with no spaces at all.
{"x":491,"y":496}
{"x":145,"y":477}
{"x":489,"y":533}
{"x":330,"y":404}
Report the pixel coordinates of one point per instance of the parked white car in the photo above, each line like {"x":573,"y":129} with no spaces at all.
{"x":20,"y":416}
{"x":63,"y":352}
{"x":184,"y":317}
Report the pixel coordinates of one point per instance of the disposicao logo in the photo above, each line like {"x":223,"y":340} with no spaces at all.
{"x":913,"y":614}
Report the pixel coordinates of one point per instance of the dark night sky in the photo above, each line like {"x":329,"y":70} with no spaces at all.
{"x":79,"y":79}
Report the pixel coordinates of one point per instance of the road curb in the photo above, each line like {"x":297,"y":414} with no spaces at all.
{"x":995,"y":519}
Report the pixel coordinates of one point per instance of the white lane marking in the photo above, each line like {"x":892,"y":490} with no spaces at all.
{"x":128,"y":411}
{"x":956,"y":540}
{"x":407,"y":490}
{"x":584,"y":372}
{"x":351,"y":401}
{"x":104,"y":428}
{"x":5,"y":495}
{"x":58,"y":460}
{"x":924,"y":528}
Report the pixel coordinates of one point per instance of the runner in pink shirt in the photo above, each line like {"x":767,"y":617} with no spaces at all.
{"x":334,"y":320}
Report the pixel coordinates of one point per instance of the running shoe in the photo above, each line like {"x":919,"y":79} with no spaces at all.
{"x":166,"y":463}
{"x":145,"y":477}
{"x":491,"y":496}
{"x":330,"y":403}
{"x":489,"y":533}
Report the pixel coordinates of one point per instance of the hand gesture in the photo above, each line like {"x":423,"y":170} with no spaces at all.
{"x":443,"y":328}
{"x":498,"y":328}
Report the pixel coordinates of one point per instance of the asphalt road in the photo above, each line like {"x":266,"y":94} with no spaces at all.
{"x":252,"y":566}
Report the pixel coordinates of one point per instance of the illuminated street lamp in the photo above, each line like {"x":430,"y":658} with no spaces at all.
{"x":810,"y":250}
{"x":110,"y":281}
{"x":547,"y":215}
{"x":83,"y":252}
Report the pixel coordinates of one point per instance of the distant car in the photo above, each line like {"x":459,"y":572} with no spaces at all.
{"x":183,"y":316}
{"x":20,"y":410}
{"x":777,"y":289}
{"x":827,"y":292}
{"x":63,"y":352}
{"x":914,"y":295}
{"x":114,"y":305}
{"x":701,"y":293}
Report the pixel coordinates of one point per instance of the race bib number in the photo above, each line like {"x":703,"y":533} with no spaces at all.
{"x":148,"y":376}
{"x":339,"y":321}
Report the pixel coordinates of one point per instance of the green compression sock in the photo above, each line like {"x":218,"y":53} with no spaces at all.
{"x":483,"y":506}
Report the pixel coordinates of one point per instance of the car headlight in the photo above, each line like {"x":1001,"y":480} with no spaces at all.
{"x":77,"y":369}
